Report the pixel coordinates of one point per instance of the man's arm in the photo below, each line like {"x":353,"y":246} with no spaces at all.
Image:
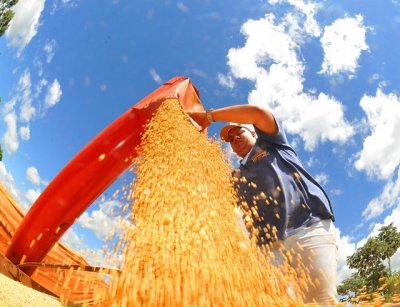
{"x":241,"y":114}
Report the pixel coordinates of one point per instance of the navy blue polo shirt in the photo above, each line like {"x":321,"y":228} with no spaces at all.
{"x":276,"y":191}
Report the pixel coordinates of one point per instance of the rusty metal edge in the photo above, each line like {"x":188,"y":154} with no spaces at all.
{"x":87,"y":268}
{"x":10,"y":270}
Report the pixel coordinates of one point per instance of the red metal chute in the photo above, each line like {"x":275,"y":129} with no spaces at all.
{"x":89,"y":173}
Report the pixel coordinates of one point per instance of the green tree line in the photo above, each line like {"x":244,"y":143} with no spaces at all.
{"x":374,"y":277}
{"x":6,"y":14}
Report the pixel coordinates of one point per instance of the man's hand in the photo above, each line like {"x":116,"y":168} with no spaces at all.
{"x":200,"y":117}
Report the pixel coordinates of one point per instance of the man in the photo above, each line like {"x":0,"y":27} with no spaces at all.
{"x":286,"y":205}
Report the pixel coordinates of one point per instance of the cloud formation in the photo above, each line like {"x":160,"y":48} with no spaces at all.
{"x":25,"y":133}
{"x":102,"y":222}
{"x":22,"y":97}
{"x":7,"y":180}
{"x":10,"y":137}
{"x":308,"y":9}
{"x":53,"y":95}
{"x":24,"y":92}
{"x":73,"y":240}
{"x":24,"y":25}
{"x":379,"y":156}
{"x":182,"y":7}
{"x":277,"y":72}
{"x":49,"y":49}
{"x":343,"y":41}
{"x":389,"y":198}
{"x":226,"y":80}
{"x":24,"y":198}
{"x":345,"y":249}
{"x":59,"y":4}
{"x":32,"y":175}
{"x":31,"y":195}
{"x":322,"y":178}
{"x":22,"y":101}
{"x":156,"y":77}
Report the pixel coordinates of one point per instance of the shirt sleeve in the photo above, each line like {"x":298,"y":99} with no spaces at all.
{"x":278,"y":138}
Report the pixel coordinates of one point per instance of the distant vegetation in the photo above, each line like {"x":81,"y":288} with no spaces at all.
{"x":373,"y":280}
{"x":6,"y":14}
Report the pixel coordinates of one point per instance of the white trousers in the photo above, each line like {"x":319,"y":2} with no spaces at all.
{"x":316,"y":246}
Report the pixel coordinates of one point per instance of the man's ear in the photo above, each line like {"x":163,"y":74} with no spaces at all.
{"x":253,"y":133}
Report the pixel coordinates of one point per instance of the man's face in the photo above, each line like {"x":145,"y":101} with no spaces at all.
{"x":241,"y":140}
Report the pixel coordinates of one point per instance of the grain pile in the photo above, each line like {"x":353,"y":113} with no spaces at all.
{"x":15,"y":294}
{"x":187,"y":248}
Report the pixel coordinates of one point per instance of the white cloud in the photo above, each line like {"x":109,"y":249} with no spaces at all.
{"x":343,"y":42}
{"x":308,"y":9}
{"x":24,"y":25}
{"x":156,"y":77}
{"x":24,"y":198}
{"x":231,"y":156}
{"x":380,"y":156}
{"x":345,"y":249}
{"x":39,"y":87}
{"x":32,"y":175}
{"x":198,"y":72}
{"x":72,"y":240}
{"x":25,"y":133}
{"x":278,"y":76}
{"x":31,"y":195}
{"x":390,"y":197}
{"x":22,"y":101}
{"x":311,"y":162}
{"x":392,"y":218}
{"x":53,"y":95}
{"x":37,"y":63}
{"x":295,"y":143}
{"x":59,"y":4}
{"x":336,"y":192}
{"x":103,"y":259}
{"x":10,"y":138}
{"x":247,"y":62}
{"x":395,"y":260}
{"x":101,"y":221}
{"x":322,"y":178}
{"x":104,"y":224}
{"x":9,"y":106}
{"x":7,"y":180}
{"x":373,"y":78}
{"x":182,"y":7}
{"x":226,"y":80}
{"x":49,"y":50}
{"x":69,"y":2}
{"x":27,"y":111}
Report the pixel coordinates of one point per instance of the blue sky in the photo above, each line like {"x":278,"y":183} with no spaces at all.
{"x":328,"y":70}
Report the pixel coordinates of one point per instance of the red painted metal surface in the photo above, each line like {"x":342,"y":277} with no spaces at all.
{"x":89,"y":173}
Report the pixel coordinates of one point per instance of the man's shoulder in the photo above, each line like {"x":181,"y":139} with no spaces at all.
{"x":277,"y":139}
